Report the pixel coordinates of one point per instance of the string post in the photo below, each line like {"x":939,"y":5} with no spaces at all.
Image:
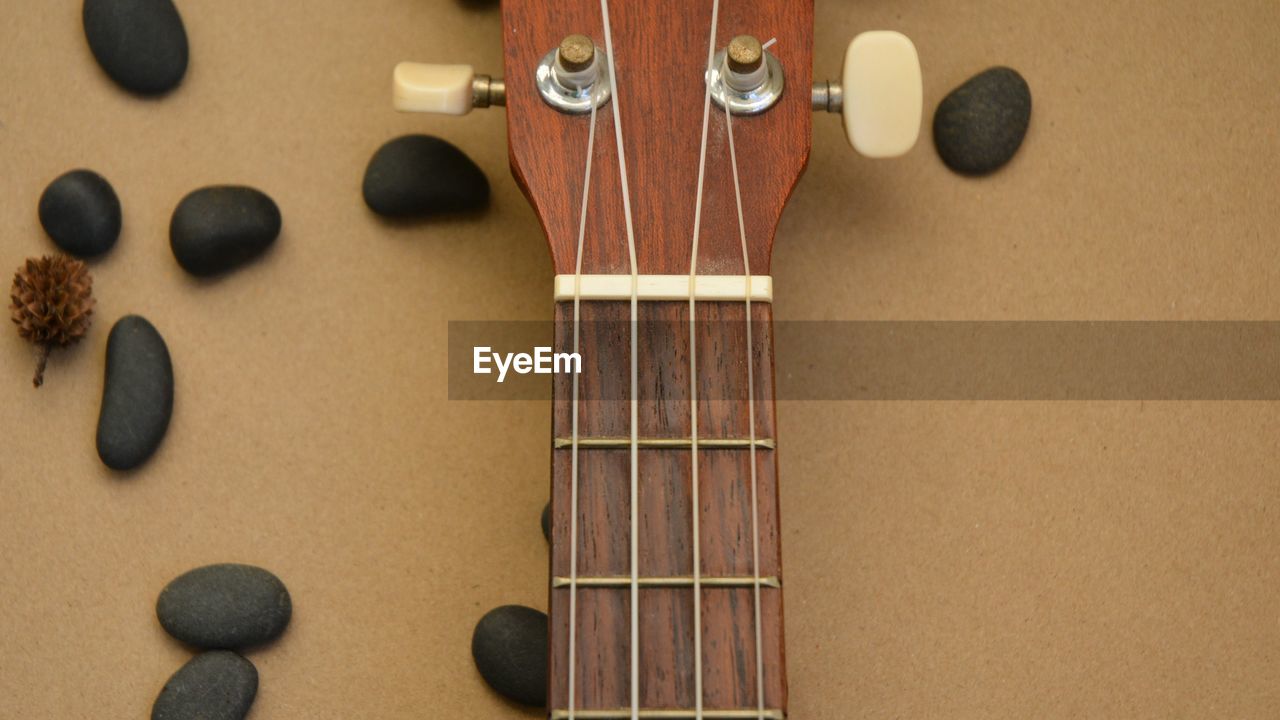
{"x":744,"y":68}
{"x":577,"y":53}
{"x":745,"y":54}
{"x":575,"y":77}
{"x":745,"y":77}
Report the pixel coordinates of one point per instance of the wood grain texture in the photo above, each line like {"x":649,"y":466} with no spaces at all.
{"x":661,"y":52}
{"x":659,"y":95}
{"x":660,"y":56}
{"x":666,"y":512}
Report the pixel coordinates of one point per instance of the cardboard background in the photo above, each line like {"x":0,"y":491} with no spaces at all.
{"x":958,"y":559}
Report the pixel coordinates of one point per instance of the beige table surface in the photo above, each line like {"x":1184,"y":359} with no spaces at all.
{"x":944,"y":559}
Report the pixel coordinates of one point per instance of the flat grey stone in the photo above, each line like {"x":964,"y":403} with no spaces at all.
{"x":81,"y":213}
{"x":215,"y":685}
{"x":141,"y":44}
{"x":137,"y":394}
{"x":420,"y":176}
{"x":219,"y":228}
{"x":225,"y":606}
{"x":981,"y":124}
{"x":509,"y":647}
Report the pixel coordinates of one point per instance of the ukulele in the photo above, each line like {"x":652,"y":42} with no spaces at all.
{"x":658,"y":144}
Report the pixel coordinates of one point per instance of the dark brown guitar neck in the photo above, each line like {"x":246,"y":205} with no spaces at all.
{"x":732,"y":530}
{"x":661,"y":182}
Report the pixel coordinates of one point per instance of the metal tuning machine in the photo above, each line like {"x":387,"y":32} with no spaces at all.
{"x":745,"y":77}
{"x":574,"y":77}
{"x":880,"y":94}
{"x":444,"y":89}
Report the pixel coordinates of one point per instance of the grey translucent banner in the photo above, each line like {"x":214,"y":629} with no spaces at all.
{"x":1066,"y":360}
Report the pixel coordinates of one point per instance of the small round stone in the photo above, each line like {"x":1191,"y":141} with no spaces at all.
{"x":137,"y":394}
{"x":421,"y":176}
{"x":141,"y":44}
{"x":980,"y":125}
{"x":216,"y":685}
{"x":81,"y":213}
{"x":546,"y":522}
{"x":510,"y":650}
{"x":217,"y":229}
{"x":227,"y":606}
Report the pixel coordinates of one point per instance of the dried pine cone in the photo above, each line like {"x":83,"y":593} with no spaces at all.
{"x":52,"y":301}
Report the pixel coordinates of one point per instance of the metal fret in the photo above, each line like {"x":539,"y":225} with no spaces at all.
{"x":672,"y":714}
{"x":621,"y":443}
{"x":745,"y":581}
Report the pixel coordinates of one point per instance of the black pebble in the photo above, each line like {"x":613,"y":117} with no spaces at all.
{"x":137,"y":394}
{"x":141,"y":44}
{"x":81,"y":212}
{"x":225,"y":606}
{"x":419,"y":176}
{"x":219,"y":228}
{"x":217,"y":685}
{"x":510,"y":650}
{"x":981,"y":124}
{"x":546,"y":522}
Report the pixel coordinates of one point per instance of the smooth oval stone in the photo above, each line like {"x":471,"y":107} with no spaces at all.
{"x":216,"y":685}
{"x":226,"y":606}
{"x":420,"y":176}
{"x":219,"y":228}
{"x":137,"y":394}
{"x":980,"y":125}
{"x":546,"y":522}
{"x":81,"y":213}
{"x":141,"y":44}
{"x":510,"y":650}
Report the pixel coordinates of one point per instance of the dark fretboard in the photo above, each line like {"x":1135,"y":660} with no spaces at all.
{"x":731,"y":636}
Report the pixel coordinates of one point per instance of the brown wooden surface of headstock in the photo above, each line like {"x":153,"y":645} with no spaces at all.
{"x":660,"y":57}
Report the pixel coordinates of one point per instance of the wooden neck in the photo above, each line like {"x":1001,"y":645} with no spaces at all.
{"x":737,"y":618}
{"x":659,"y":180}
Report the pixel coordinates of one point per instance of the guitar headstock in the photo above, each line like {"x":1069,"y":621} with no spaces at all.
{"x":663,"y":148}
{"x":660,"y":57}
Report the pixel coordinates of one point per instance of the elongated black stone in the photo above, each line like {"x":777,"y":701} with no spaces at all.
{"x":216,"y":685}
{"x":510,"y":650}
{"x":81,"y":213}
{"x":981,"y":124}
{"x":420,"y":176}
{"x":225,"y":606}
{"x":219,"y":228}
{"x":141,"y":44}
{"x":137,"y":394}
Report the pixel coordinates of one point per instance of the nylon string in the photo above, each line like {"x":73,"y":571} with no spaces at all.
{"x":693,"y":381}
{"x":573,"y":463}
{"x":635,"y":406}
{"x":751,"y":420}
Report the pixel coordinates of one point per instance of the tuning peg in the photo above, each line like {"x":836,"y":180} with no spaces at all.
{"x":880,"y":95}
{"x":444,"y":89}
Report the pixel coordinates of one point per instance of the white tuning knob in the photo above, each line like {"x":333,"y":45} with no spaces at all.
{"x":881,"y":94}
{"x":443,"y":89}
